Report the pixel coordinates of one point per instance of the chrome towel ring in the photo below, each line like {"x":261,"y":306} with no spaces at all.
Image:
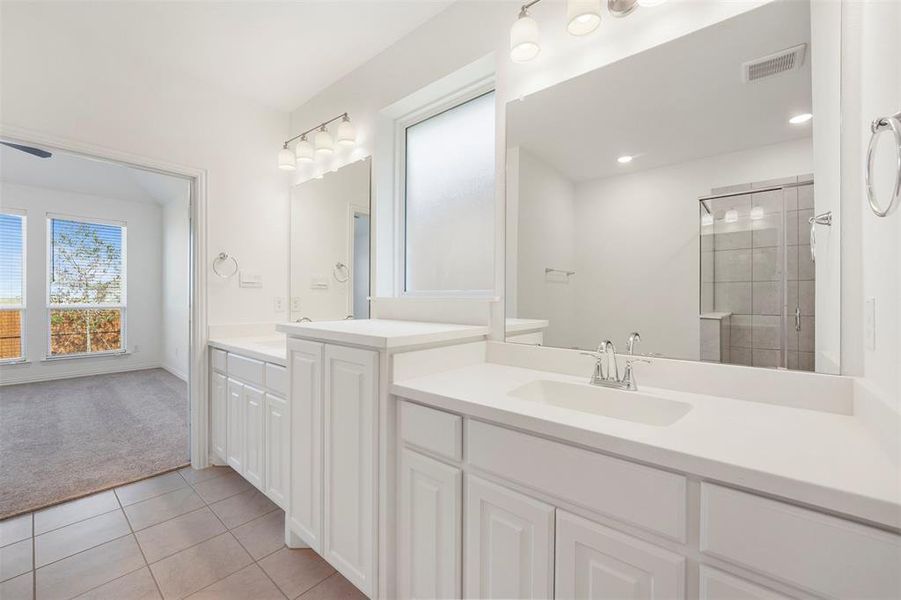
{"x":892,"y":122}
{"x":222,"y":258}
{"x":341,"y":273}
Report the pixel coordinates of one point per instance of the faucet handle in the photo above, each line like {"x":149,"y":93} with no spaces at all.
{"x":633,"y":337}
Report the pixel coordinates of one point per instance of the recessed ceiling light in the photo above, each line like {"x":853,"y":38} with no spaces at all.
{"x":800,"y":119}
{"x":624,"y":159}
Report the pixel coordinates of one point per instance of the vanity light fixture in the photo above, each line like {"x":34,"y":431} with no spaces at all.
{"x":800,"y":119}
{"x":582,"y":16}
{"x":731,"y":216}
{"x":757,"y":213}
{"x":323,"y":144}
{"x":525,"y":40}
{"x":624,"y":160}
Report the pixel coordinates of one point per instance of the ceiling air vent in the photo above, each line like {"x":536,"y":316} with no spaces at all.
{"x":786,"y":60}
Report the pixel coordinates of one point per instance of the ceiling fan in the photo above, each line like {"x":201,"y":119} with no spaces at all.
{"x":29,"y":150}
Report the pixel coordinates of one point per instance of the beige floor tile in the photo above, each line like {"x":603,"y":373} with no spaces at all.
{"x":66,"y":541}
{"x":243,"y":507}
{"x":219,"y":488}
{"x":86,"y":570}
{"x":179,"y":533}
{"x":195,"y":476}
{"x":249,"y":582}
{"x":335,"y":587}
{"x":263,"y":535}
{"x":15,"y":529}
{"x":18,"y":588}
{"x":149,"y":488}
{"x":296,"y":571}
{"x":74,"y":511}
{"x":162,"y":508}
{"x":15,"y":559}
{"x":197,"y":567}
{"x":138,"y":585}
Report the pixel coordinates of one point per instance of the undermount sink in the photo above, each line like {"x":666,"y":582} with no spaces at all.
{"x":606,"y":402}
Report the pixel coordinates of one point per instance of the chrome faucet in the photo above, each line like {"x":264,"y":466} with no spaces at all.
{"x":606,"y":369}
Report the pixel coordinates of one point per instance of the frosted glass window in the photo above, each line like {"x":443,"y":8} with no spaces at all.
{"x":450,"y":200}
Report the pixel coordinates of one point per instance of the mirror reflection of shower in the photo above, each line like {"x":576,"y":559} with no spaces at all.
{"x":757,"y":275}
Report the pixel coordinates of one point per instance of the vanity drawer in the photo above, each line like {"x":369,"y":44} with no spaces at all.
{"x":648,"y":498}
{"x":433,"y":430}
{"x":821,"y":553}
{"x":245,"y":369}
{"x":218,"y":359}
{"x":277,"y":379}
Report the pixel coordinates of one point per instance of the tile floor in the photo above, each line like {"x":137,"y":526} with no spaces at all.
{"x":185,"y":534}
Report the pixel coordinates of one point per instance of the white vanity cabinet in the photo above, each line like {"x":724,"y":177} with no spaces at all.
{"x":249,"y":420}
{"x":334,"y":454}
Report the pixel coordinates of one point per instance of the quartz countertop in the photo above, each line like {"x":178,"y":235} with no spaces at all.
{"x":383,"y":334}
{"x":818,"y":458}
{"x":520,"y":325}
{"x":269,"y":348}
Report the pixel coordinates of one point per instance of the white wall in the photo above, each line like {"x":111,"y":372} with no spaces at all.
{"x":175,"y":292}
{"x":62,"y":86}
{"x":144,"y":269}
{"x":321,"y":227}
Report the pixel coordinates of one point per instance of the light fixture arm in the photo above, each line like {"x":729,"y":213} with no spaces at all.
{"x":524,"y":9}
{"x":322,"y":125}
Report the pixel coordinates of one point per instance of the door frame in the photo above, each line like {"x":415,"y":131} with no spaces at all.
{"x":352,"y":212}
{"x":198,"y":375}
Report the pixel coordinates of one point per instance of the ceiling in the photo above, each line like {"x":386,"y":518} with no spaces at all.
{"x":73,"y":173}
{"x":278,"y":54}
{"x":679,"y":101}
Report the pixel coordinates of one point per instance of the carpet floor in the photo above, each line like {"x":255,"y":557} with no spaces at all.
{"x":72,"y":437}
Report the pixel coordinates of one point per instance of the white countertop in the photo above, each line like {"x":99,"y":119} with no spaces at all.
{"x":269,"y":348}
{"x":818,"y":458}
{"x":518,"y":325}
{"x":383,"y":333}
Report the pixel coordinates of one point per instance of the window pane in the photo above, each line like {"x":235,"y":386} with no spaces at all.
{"x":85,"y":263}
{"x":450,"y":199}
{"x":11,"y":253}
{"x":10,"y":334}
{"x":80,"y":331}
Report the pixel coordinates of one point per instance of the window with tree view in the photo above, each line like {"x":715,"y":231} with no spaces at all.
{"x":86,"y":287}
{"x":12,"y":286}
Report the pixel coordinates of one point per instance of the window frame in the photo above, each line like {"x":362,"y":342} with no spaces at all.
{"x":467,"y":93}
{"x":23,"y":338}
{"x":121,"y":306}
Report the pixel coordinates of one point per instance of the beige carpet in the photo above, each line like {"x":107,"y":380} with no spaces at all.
{"x":64,"y":439}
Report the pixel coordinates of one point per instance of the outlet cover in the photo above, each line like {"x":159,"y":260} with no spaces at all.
{"x":278,"y":304}
{"x":295,"y":304}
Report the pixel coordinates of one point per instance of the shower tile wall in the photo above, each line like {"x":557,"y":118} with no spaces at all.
{"x":750,"y":270}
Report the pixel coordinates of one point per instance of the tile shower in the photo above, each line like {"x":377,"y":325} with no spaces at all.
{"x":757,"y":274}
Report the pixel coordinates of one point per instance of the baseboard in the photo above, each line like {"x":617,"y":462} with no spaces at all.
{"x":26,"y":373}
{"x":175,"y":371}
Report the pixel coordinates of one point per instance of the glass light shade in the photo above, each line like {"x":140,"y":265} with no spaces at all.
{"x":286,"y":160}
{"x":625,"y":159}
{"x":582,"y":16}
{"x":325,"y":145}
{"x":304,"y":151}
{"x":757,"y":213}
{"x":731,"y":216}
{"x":525,"y":40}
{"x":647,"y":3}
{"x":707,"y":219}
{"x":347,"y":133}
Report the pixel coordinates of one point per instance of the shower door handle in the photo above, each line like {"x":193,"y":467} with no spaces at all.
{"x":797,"y":318}
{"x":821,"y":219}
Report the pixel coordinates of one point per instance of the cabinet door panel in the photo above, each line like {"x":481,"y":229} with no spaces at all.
{"x":277,"y":449}
{"x":304,"y":503}
{"x":599,"y":563}
{"x":350,"y":455}
{"x":508,"y":551}
{"x":218,"y":414}
{"x":717,"y":585}
{"x":235,"y":427}
{"x":253,"y":436}
{"x":429,"y":528}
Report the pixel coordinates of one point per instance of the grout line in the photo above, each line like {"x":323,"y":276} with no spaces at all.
{"x":141,"y":550}
{"x":310,"y":589}
{"x":83,"y":551}
{"x":79,"y":520}
{"x":258,"y":565}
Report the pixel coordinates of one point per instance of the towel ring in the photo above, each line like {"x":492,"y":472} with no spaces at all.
{"x":221,"y":258}
{"x":340,"y":272}
{"x":892,"y":122}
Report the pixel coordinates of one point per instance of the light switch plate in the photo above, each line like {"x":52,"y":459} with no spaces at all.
{"x":250,"y":279}
{"x":869,"y":323}
{"x":278,"y":304}
{"x":295,"y":304}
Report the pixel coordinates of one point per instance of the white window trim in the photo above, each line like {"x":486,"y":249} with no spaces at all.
{"x":22,"y":308}
{"x":122,"y":306}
